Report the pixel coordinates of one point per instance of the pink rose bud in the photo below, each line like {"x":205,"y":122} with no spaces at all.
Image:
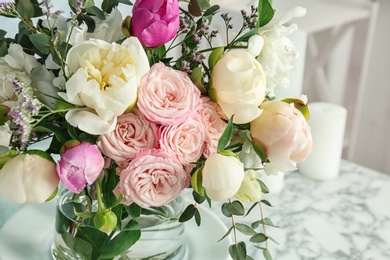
{"x":155,"y":22}
{"x":79,"y":165}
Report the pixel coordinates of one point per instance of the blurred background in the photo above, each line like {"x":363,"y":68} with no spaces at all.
{"x":345,"y":50}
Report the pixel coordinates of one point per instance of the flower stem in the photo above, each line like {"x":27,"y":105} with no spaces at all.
{"x":234,"y":227}
{"x":101,"y":205}
{"x":264,"y":229}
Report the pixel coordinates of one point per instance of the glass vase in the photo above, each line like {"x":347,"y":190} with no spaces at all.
{"x":162,"y":235}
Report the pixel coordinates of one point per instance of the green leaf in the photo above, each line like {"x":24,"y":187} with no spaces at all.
{"x":196,"y":77}
{"x":226,"y":234}
{"x":260,"y":150}
{"x":251,"y":208}
{"x":120,"y":243}
{"x":188,"y":213}
{"x":300,"y":105}
{"x":258,"y":238}
{"x":265,"y":11}
{"x":198,"y":218}
{"x":215,"y":56}
{"x":226,"y":136}
{"x":97,"y":12}
{"x":196,"y":181}
{"x":2,"y":33}
{"x":25,"y":8}
{"x":131,"y":225}
{"x":245,"y":229}
{"x":233,"y":208}
{"x":267,"y":254}
{"x":238,"y":251}
{"x":198,"y":198}
{"x":41,"y":42}
{"x":78,"y":245}
{"x":212,"y":10}
{"x":263,"y":187}
{"x":268,"y":222}
{"x":88,"y":4}
{"x":92,"y":236}
{"x":273,"y":240}
{"x":266,"y":202}
{"x":134,"y":210}
{"x":3,"y":47}
{"x":41,"y":153}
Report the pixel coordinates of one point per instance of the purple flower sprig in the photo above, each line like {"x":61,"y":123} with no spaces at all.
{"x":23,"y":115}
{"x":8,"y":8}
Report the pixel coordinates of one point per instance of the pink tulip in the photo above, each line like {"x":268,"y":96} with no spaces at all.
{"x":155,"y":22}
{"x":79,"y":165}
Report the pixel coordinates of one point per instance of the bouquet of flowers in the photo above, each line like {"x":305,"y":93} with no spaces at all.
{"x":140,"y":106}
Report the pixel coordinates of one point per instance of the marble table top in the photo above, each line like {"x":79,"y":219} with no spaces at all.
{"x":345,"y":218}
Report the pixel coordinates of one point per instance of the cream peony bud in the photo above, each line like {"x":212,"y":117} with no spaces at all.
{"x":222,"y":176}
{"x":28,"y":179}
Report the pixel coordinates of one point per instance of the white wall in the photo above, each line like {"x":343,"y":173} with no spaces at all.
{"x":373,"y":148}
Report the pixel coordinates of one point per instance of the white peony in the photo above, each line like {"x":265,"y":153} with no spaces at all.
{"x":279,"y":55}
{"x":18,"y":64}
{"x":103,"y":78}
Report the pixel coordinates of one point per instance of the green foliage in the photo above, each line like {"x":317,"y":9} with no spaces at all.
{"x":266,"y":12}
{"x":226,"y":136}
{"x":188,"y":213}
{"x":41,"y":42}
{"x":233,"y":208}
{"x":238,"y":251}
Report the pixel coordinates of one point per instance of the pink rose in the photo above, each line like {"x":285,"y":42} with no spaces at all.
{"x":153,"y":178}
{"x":283,"y":133}
{"x":167,"y":96}
{"x":132,"y":133}
{"x":79,"y":165}
{"x":214,"y":125}
{"x":155,"y":22}
{"x":184,"y":140}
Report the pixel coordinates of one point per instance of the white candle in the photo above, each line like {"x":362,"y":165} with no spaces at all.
{"x":327,"y":124}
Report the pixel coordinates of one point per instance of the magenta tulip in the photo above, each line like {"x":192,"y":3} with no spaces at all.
{"x":80,"y":165}
{"x":155,"y":22}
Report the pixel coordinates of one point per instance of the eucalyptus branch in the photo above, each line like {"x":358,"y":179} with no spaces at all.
{"x":234,"y":227}
{"x":264,"y":229}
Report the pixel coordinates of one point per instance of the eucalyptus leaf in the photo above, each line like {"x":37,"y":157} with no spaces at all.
{"x":263,"y":187}
{"x":97,"y":12}
{"x":198,"y":198}
{"x":226,"y":234}
{"x":268,"y":222}
{"x":188,"y":213}
{"x":258,"y":238}
{"x":238,"y":251}
{"x":267,"y":254}
{"x":266,"y":202}
{"x":251,"y":208}
{"x":41,"y":42}
{"x":198,"y":218}
{"x":245,"y":229}
{"x":233,"y":208}
{"x":212,"y":10}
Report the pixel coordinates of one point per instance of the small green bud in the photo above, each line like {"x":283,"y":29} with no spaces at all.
{"x":105,"y":221}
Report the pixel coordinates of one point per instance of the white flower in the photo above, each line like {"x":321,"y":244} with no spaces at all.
{"x":5,"y":135}
{"x":222,"y":176}
{"x":103,"y":77}
{"x":15,"y":64}
{"x":250,"y":190}
{"x":18,"y":64}
{"x":238,"y":85}
{"x":279,"y":55}
{"x":28,"y":179}
{"x":108,"y":29}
